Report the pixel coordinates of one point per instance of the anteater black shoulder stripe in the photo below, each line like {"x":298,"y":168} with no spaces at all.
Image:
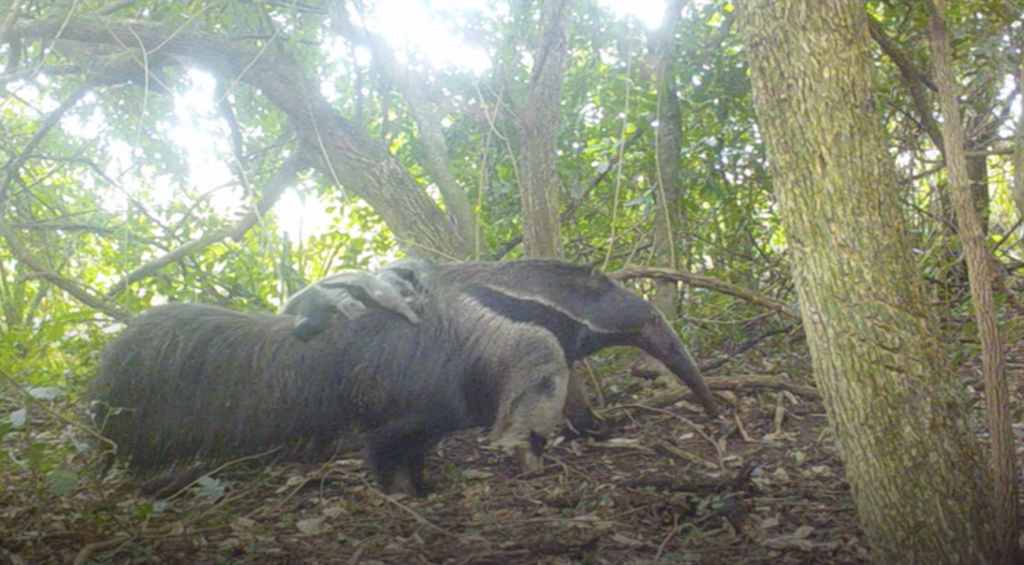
{"x":569,"y":332}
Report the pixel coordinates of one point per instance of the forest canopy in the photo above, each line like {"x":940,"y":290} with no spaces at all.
{"x":228,"y":152}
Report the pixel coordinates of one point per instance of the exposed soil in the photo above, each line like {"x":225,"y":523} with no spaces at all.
{"x":760,"y":485}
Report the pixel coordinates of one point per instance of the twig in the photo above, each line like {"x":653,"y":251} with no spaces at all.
{"x":672,"y":450}
{"x":417,"y":516}
{"x":60,"y":417}
{"x":594,"y":385}
{"x":746,"y":345}
{"x":687,"y":421}
{"x":221,"y":468}
{"x":224,"y":501}
{"x":86,"y":552}
{"x":664,"y":542}
{"x":734,"y":382}
{"x":743,"y":431}
{"x":354,"y":560}
{"x":587,"y":519}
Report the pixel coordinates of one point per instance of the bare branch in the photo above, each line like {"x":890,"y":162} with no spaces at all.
{"x":114,"y":6}
{"x":71,"y":287}
{"x":11,"y":168}
{"x":161,"y":262}
{"x":283,"y":178}
{"x":430,"y":136}
{"x":706,"y":282}
{"x":915,"y":80}
{"x":237,"y":144}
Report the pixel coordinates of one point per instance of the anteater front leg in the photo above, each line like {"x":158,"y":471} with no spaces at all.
{"x":532,"y":398}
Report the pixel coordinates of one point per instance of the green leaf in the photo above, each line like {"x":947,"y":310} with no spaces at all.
{"x":61,"y":481}
{"x":45,"y":392}
{"x":208,"y":487}
{"x":17,"y":418}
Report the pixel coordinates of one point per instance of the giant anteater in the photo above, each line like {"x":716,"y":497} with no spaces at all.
{"x":493,"y":348}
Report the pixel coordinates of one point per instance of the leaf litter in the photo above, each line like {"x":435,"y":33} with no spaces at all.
{"x":762,"y":484}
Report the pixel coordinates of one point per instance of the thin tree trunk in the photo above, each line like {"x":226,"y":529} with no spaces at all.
{"x":538,"y":185}
{"x":972,"y":238}
{"x":976,"y":169}
{"x":900,"y":415}
{"x":669,"y":217}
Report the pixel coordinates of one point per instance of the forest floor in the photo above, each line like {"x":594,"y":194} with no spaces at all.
{"x":761,"y":484}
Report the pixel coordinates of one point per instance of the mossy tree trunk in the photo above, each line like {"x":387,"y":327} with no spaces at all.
{"x":920,"y":483}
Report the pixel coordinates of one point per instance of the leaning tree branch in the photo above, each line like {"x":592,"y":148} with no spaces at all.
{"x":285,"y":177}
{"x":282,"y":180}
{"x":917,"y":81}
{"x":161,"y":262}
{"x":980,"y":276}
{"x":711,"y":283}
{"x":237,"y":145}
{"x":345,"y":154}
{"x":42,"y":271}
{"x":430,"y":135}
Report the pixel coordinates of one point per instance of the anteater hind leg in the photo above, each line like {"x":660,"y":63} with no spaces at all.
{"x":578,"y":411}
{"x":397,"y":454}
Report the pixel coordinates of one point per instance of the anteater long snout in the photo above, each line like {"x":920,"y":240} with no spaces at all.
{"x":659,"y":341}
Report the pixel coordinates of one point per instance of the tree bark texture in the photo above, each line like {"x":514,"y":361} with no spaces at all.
{"x":972,"y":239}
{"x":899,"y":413}
{"x":337,"y":149}
{"x":538,"y":184}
